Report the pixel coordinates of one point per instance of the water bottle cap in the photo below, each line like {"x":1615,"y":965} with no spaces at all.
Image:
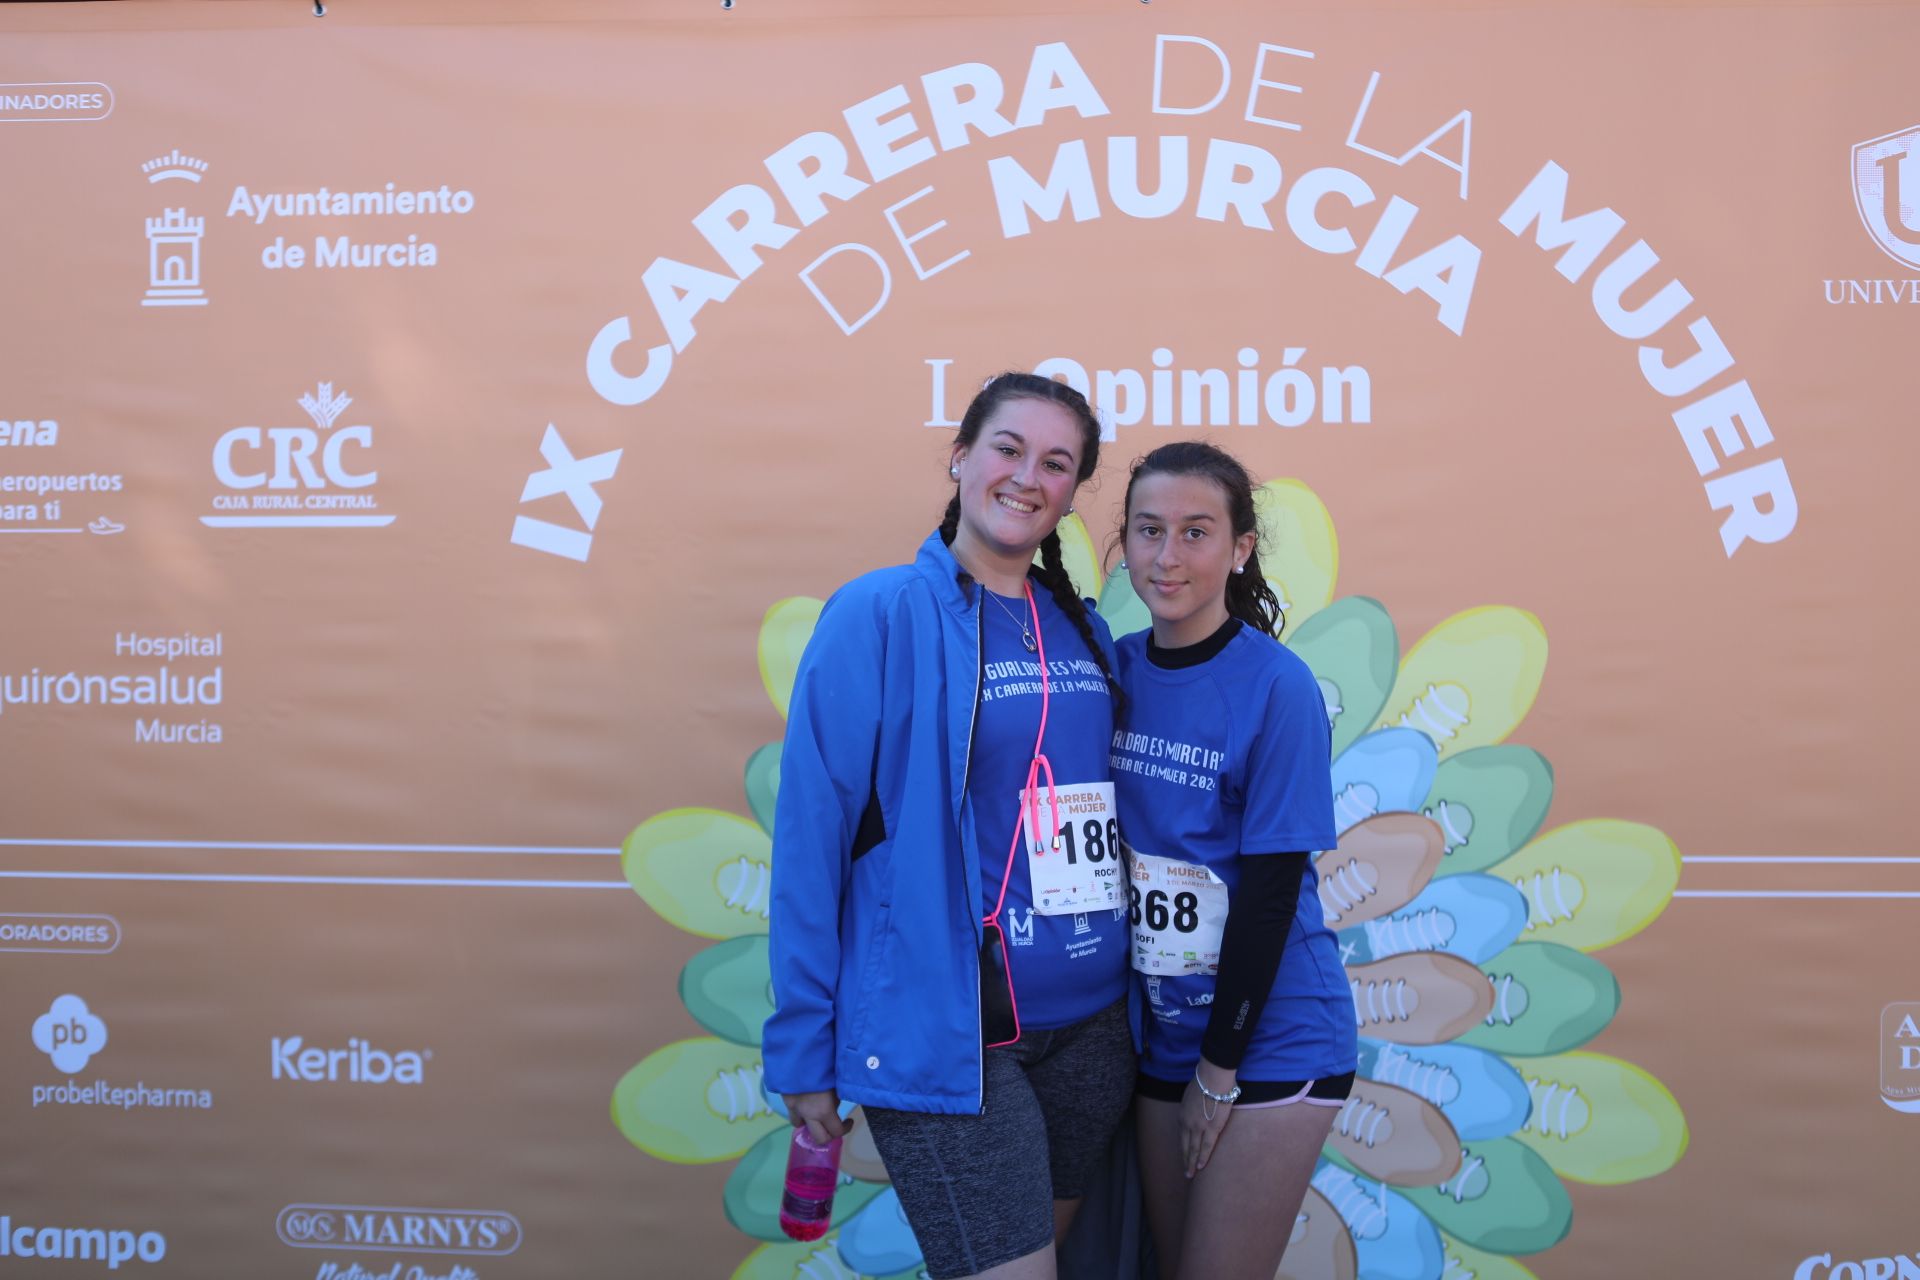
{"x":803,"y":1137}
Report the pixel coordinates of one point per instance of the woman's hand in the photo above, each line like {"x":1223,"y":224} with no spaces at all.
{"x":1201,"y":1119}
{"x":819,"y":1112}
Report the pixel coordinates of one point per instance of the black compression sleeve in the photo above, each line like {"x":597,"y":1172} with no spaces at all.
{"x":1258,"y":922}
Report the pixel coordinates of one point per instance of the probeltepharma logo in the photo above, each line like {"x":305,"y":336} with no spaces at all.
{"x":80,"y":1244}
{"x":473,"y":1232}
{"x":315,"y":477}
{"x":1900,"y":1055}
{"x":1886,"y":193}
{"x":358,"y":1063}
{"x":71,"y":1034}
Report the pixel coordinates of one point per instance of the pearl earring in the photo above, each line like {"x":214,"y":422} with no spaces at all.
{"x":954,"y":472}
{"x":1239,"y":568}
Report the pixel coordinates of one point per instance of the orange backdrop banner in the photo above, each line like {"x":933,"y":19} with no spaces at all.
{"x":428,"y":433}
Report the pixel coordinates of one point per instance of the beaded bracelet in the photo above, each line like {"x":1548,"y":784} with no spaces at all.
{"x":1231,"y":1095}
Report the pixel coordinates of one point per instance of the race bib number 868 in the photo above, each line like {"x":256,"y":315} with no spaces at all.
{"x":1178,"y":911}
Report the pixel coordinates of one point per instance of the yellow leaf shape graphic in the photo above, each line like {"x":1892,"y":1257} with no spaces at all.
{"x":706,"y":871}
{"x":784,"y":633}
{"x":1600,"y":1120}
{"x":1470,"y":680}
{"x":1298,"y":550}
{"x":1591,"y":884}
{"x":695,"y":1102}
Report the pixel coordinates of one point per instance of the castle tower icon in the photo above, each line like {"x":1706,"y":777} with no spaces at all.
{"x":174,"y":261}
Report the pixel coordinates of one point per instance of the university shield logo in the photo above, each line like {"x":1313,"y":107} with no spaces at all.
{"x":1886,"y":190}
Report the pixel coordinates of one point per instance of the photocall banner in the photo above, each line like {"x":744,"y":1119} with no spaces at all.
{"x":428,"y":432}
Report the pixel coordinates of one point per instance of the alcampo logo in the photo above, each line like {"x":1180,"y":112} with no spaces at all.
{"x":298,"y":477}
{"x":112,"y":1247}
{"x":69,"y":1033}
{"x":358,"y":1063}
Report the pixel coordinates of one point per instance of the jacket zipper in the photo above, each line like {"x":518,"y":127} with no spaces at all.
{"x":966,"y":770}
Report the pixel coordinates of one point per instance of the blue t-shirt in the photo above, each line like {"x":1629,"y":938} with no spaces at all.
{"x":1226,"y":759}
{"x":1065,"y":967}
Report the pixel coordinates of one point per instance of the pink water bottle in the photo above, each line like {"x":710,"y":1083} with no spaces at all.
{"x":813,"y":1172}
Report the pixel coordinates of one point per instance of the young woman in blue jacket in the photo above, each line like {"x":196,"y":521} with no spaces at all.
{"x":949,"y":936}
{"x":1223,"y":773}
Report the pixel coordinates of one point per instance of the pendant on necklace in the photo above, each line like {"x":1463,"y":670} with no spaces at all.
{"x":1026,"y":638}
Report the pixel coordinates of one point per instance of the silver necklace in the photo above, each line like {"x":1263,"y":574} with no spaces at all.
{"x":1026,"y":632}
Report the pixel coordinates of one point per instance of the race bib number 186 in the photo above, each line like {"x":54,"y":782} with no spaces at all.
{"x":1081,"y":868}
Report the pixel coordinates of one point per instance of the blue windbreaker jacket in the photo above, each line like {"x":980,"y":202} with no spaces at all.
{"x":875,"y":958}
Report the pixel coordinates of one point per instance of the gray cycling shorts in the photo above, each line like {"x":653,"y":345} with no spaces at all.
{"x":979,"y":1190}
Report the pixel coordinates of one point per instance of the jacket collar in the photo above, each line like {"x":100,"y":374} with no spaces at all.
{"x":935,"y":562}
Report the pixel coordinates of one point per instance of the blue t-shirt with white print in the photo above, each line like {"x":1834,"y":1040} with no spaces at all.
{"x":1218,"y":761}
{"x":1065,"y":967}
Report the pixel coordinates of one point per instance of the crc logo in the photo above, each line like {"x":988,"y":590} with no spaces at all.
{"x":298,"y":477}
{"x":399,"y":1230}
{"x":1900,"y":1055}
{"x":1886,"y":191}
{"x":358,"y":1063}
{"x":69,"y":1033}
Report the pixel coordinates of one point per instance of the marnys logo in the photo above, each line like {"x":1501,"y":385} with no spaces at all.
{"x":69,"y":1033}
{"x":1821,"y":1266}
{"x":358,"y":1063}
{"x":399,"y":1230}
{"x":112,"y":1247}
{"x":1900,"y":1055}
{"x":310,"y":481}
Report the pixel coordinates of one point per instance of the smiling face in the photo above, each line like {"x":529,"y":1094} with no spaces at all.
{"x":1016,"y":481}
{"x":1181,"y":549}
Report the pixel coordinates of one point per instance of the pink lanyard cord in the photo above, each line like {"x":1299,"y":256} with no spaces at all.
{"x":1030,"y":794}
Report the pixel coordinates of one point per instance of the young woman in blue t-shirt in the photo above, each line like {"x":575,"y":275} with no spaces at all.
{"x":1222,"y":774}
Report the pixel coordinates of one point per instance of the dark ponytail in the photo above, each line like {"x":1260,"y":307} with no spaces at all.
{"x":1053,"y":575}
{"x":1052,"y":572}
{"x":1249,"y":596}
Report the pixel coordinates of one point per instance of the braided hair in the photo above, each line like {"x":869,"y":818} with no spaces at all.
{"x":1249,"y":597}
{"x":1051,"y":572}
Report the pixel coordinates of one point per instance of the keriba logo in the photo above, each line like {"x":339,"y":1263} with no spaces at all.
{"x":358,"y":1063}
{"x":69,"y":1033}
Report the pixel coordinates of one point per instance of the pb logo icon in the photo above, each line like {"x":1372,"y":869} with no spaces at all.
{"x":1900,"y":1055}
{"x":69,"y":1033}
